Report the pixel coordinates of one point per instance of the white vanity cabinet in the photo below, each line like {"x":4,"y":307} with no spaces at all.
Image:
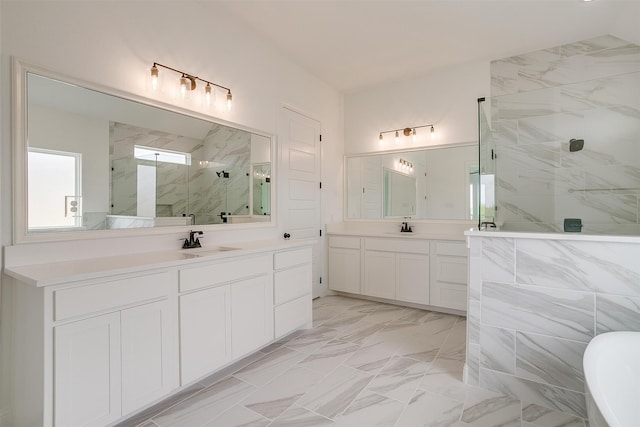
{"x":224,"y":313}
{"x":205,"y":332}
{"x":112,"y":352}
{"x":397,"y":269}
{"x":449,"y":274}
{"x":344,"y":263}
{"x":89,"y":347}
{"x":412,"y":269}
{"x":292,"y":290}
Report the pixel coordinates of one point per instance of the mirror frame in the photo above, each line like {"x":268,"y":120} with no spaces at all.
{"x":345,"y":192}
{"x":19,"y":136}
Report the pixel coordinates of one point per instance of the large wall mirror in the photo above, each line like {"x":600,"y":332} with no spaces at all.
{"x":430,"y":183}
{"x":95,"y":161}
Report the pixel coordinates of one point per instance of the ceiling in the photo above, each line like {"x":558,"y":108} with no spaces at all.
{"x":355,"y":44}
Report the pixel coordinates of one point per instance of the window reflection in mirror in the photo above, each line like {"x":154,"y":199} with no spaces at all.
{"x":441,"y":182}
{"x":141,"y":166}
{"x":55,"y":189}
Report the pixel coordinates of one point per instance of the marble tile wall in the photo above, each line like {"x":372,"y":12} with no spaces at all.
{"x":540,"y":100}
{"x":534,"y":305}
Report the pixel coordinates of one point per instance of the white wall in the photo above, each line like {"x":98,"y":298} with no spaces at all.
{"x":74,"y":133}
{"x":627,"y":27}
{"x":447,"y":99}
{"x":115,"y":43}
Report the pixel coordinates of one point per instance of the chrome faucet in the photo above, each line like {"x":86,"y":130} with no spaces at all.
{"x":192,"y":242}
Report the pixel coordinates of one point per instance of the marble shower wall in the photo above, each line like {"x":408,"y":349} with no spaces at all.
{"x":225,"y":149}
{"x":534,"y":304}
{"x":586,"y":90}
{"x":184,"y":189}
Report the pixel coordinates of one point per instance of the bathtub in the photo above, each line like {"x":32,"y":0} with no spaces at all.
{"x":612,"y":372}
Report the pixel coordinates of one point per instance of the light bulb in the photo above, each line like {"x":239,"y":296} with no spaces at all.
{"x":229,"y":99}
{"x":183,"y":86}
{"x":154,"y":77}
{"x":397,"y":137}
{"x":207,"y":94}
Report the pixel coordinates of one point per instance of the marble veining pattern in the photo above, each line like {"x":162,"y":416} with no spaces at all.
{"x":540,"y":101}
{"x":534,"y":330}
{"x":555,"y":312}
{"x":343,"y":383}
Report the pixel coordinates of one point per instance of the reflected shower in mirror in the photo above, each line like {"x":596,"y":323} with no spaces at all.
{"x":97,"y":161}
{"x":428,"y":183}
{"x":262,"y":189}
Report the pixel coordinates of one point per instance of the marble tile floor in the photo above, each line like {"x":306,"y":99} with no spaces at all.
{"x":363,"y":364}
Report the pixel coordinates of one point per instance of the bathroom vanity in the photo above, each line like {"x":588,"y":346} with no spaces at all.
{"x":427,"y":270}
{"x":99,"y":339}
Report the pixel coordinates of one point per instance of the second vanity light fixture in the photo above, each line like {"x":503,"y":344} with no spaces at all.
{"x":406,"y":132}
{"x":188,"y":82}
{"x":405,"y":166}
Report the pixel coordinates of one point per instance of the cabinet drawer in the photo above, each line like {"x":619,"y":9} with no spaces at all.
{"x":344,"y":242}
{"x":451,"y":248}
{"x":106,"y":295}
{"x":234,"y":269}
{"x":291,"y":258}
{"x":292,"y":315}
{"x":292,"y":283}
{"x":398,"y":245}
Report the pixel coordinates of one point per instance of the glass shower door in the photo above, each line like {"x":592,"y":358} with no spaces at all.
{"x":486,"y":189}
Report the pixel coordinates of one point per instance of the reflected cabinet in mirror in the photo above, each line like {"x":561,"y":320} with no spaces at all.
{"x":98,"y":161}
{"x":430,"y":183}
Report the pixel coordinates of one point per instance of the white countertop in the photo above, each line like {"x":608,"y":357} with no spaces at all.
{"x":397,"y":234}
{"x":56,"y":273}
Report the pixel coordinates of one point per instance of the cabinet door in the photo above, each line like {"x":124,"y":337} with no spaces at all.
{"x":87,"y":372}
{"x":344,"y":270}
{"x":149,"y":362}
{"x":412,"y":278}
{"x":379,"y":274}
{"x":205,"y":332}
{"x":449,"y":282}
{"x":251,"y":315}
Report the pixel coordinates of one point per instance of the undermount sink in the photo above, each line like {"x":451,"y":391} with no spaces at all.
{"x":203,"y":252}
{"x":612,"y":372}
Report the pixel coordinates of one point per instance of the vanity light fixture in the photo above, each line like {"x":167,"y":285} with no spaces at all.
{"x":405,"y":165}
{"x":406,"y":132}
{"x":188,"y":83}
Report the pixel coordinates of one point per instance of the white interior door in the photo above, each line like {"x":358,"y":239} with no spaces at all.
{"x":299,"y":183}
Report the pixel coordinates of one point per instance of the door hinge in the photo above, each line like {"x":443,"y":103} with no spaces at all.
{"x":494,"y":155}
{"x":321,"y":184}
{"x":320,"y":233}
{"x":320,"y":137}
{"x":320,"y":279}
